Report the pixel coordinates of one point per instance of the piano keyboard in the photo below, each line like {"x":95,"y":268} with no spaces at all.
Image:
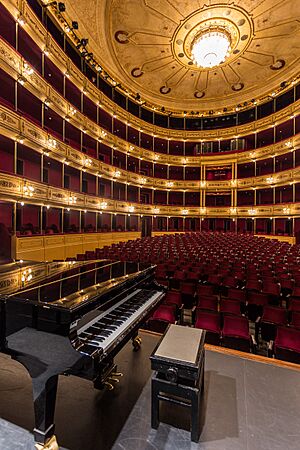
{"x":98,"y":335}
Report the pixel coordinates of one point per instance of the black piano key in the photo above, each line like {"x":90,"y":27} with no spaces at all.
{"x":97,"y":339}
{"x":104,"y":333}
{"x":93,"y":329}
{"x":111,"y":327}
{"x":85,"y":335}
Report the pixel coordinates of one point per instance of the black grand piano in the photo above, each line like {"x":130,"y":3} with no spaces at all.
{"x":71,"y":318}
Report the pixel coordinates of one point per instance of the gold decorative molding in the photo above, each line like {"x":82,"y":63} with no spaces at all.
{"x":12,"y":189}
{"x":40,"y":88}
{"x":13,"y":125}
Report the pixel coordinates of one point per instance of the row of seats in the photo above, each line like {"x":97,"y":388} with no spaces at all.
{"x":231,"y":282}
{"x":226,"y":325}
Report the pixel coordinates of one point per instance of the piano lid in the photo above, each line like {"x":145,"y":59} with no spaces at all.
{"x":72,"y":285}
{"x":19,"y":275}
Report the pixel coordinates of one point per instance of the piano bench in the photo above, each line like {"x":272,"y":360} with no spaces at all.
{"x":178,"y":377}
{"x":187,"y":396}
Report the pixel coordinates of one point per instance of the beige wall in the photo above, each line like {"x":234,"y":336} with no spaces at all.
{"x":289,"y":239}
{"x":160,"y":233}
{"x":48,"y":248}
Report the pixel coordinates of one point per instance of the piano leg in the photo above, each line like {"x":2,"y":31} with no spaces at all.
{"x":44,"y":397}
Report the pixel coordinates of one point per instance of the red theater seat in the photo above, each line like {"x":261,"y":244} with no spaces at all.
{"x":272,"y":317}
{"x":173,"y":298}
{"x":295,"y":322}
{"x":209,"y":302}
{"x":287,"y":344}
{"x":209,"y":321}
{"x":255,"y":304}
{"x":237,"y":294}
{"x":187,"y":291}
{"x":164,"y":315}
{"x":205,"y":289}
{"x":228,"y":306}
{"x":235,"y":333}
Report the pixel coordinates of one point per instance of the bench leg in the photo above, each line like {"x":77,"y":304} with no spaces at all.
{"x":195,"y":415}
{"x":154,"y":404}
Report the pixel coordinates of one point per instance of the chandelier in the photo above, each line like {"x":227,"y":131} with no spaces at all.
{"x":210,"y":48}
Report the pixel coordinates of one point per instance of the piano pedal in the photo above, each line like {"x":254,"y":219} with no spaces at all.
{"x":117,"y":374}
{"x":109,"y":386}
{"x":50,"y":445}
{"x":115,"y":380}
{"x":136,"y":342}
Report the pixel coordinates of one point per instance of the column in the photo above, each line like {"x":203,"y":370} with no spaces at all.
{"x":41,"y":219}
{"x":63,"y":175}
{"x":80,"y":214}
{"x":42,"y":168}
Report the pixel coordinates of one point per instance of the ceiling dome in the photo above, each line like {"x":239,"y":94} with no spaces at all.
{"x":150,"y":48}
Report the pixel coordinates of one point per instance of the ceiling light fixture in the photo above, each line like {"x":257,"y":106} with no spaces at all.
{"x":210,"y":47}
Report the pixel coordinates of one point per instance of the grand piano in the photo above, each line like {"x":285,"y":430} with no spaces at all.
{"x":71,"y":318}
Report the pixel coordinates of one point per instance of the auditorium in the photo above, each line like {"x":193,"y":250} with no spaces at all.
{"x":149,"y":224}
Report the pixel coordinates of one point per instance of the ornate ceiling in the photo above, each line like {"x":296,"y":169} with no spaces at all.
{"x":145,"y":45}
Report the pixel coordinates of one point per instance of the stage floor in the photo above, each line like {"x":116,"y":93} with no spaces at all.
{"x":248,"y":405}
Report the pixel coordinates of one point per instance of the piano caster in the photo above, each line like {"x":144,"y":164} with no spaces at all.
{"x":50,"y":445}
{"x":136,"y":342}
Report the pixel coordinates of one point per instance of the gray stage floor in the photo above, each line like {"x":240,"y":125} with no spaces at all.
{"x":248,"y":406}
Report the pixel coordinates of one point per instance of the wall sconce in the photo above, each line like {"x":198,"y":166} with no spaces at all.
{"x":26,"y":276}
{"x":28,"y":190}
{"x":22,"y":80}
{"x":52,"y":143}
{"x":20,"y":139}
{"x":27,"y":69}
{"x":72,"y":200}
{"x":21,"y":19}
{"x":87,"y":162}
